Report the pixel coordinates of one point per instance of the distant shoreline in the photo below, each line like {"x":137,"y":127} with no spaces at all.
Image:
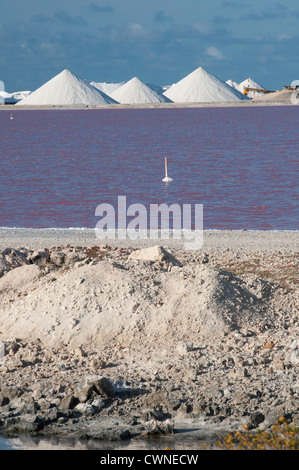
{"x":224,"y":104}
{"x":234,"y":240}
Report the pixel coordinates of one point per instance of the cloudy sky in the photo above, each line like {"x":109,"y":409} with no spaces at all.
{"x":159,"y":41}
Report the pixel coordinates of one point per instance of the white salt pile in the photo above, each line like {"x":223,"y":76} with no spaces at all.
{"x":66,"y":89}
{"x":201,"y":86}
{"x":233,"y":84}
{"x":6,"y":97}
{"x":136,"y":92}
{"x":159,"y":88}
{"x":12,"y":98}
{"x":107,"y":88}
{"x":249,"y":83}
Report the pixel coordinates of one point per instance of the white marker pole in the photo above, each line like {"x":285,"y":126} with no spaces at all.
{"x":166,"y":179}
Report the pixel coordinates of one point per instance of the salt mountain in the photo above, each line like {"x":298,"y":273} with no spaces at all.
{"x":105,"y":87}
{"x":66,"y":89}
{"x":250,"y":84}
{"x":136,"y":92}
{"x":202,"y":86}
{"x":232,"y":84}
{"x":12,"y":98}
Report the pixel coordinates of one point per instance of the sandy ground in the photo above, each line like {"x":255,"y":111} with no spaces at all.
{"x":235,"y":240}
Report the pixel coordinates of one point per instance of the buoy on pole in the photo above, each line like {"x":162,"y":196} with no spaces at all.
{"x":166,"y":179}
{"x":11,"y":116}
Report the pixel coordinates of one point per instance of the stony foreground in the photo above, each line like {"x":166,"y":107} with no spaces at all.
{"x":110,"y":343}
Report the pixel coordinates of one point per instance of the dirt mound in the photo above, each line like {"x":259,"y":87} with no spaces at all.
{"x":19,"y":278}
{"x":128,"y":302}
{"x":276,"y":97}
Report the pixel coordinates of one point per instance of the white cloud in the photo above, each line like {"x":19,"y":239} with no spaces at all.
{"x":203,"y":28}
{"x":136,"y":30}
{"x":212,"y":51}
{"x":283,"y":37}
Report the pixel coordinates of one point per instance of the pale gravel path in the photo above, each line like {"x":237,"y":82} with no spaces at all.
{"x":233,"y":240}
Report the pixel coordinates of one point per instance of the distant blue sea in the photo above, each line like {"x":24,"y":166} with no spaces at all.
{"x":241,"y":163}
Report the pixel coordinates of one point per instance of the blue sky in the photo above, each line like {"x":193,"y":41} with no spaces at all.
{"x":160,"y":41}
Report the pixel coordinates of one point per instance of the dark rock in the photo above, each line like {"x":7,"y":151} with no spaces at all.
{"x":69,"y":402}
{"x":39,"y":257}
{"x":257,"y":418}
{"x":57,"y":257}
{"x":100,"y":385}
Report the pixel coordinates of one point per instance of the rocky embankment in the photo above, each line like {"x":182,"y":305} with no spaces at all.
{"x":112,"y":343}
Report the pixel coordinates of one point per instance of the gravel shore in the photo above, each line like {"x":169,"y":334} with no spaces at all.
{"x":124,"y":341}
{"x":219,"y":240}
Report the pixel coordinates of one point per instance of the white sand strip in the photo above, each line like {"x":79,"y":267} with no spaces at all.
{"x":234,"y":240}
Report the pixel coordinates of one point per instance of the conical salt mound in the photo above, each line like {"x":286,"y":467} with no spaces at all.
{"x":249,"y":83}
{"x":201,"y":86}
{"x":232,"y":84}
{"x":107,"y":88}
{"x":66,"y":89}
{"x":136,"y":92}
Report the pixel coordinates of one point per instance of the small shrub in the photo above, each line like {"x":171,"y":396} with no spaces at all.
{"x":281,"y":437}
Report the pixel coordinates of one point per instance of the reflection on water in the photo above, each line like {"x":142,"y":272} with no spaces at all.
{"x":9,"y":444}
{"x":24,"y":442}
